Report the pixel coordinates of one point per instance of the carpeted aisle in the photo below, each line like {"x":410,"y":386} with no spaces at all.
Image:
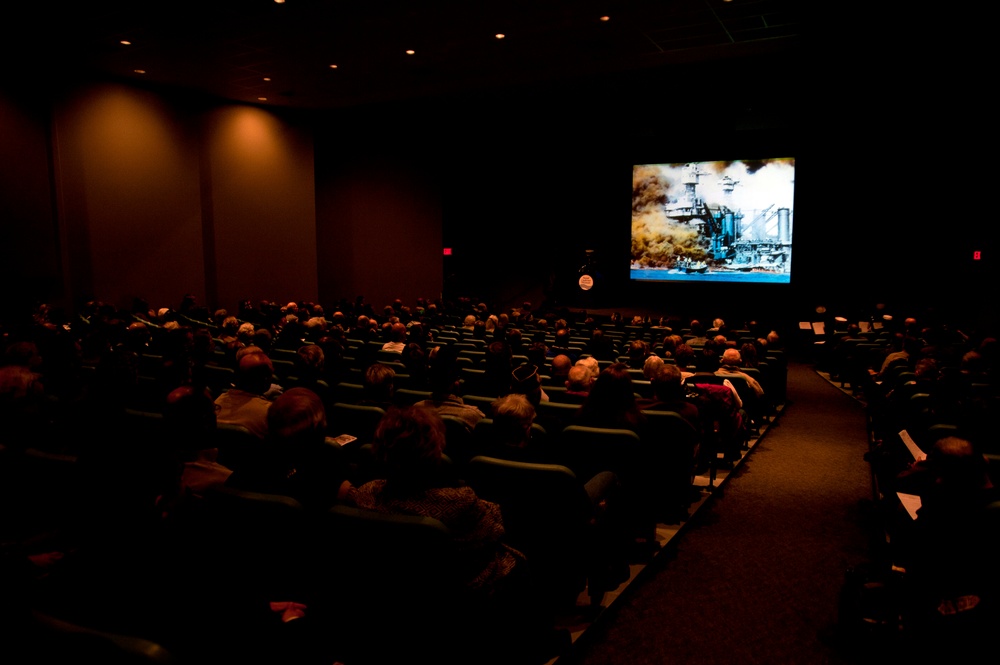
{"x":756,"y":577}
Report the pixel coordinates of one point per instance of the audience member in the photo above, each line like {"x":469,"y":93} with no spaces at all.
{"x":409,"y":444}
{"x":244,"y":404}
{"x":445,"y":379}
{"x":296,"y":459}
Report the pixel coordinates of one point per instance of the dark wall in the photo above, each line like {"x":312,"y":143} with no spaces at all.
{"x":520,"y":182}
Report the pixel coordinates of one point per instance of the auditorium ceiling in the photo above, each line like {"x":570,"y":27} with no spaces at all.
{"x":325,"y":54}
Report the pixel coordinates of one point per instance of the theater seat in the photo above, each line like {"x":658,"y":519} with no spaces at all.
{"x":567,"y":534}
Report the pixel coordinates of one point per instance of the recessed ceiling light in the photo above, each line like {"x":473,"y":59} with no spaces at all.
{"x":139,"y":71}
{"x":605,"y":18}
{"x":333,"y":66}
{"x":279,"y":2}
{"x":125,"y":42}
{"x":410,"y":51}
{"x":500,"y":35}
{"x":262,"y":99}
{"x":267,"y":78}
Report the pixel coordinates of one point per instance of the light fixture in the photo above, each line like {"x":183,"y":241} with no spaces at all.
{"x":125,"y":42}
{"x":139,"y":71}
{"x":605,"y":18}
{"x":410,"y":51}
{"x":267,"y":78}
{"x":333,"y":66}
{"x":500,"y":35}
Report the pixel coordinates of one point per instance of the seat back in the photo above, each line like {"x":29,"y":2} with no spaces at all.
{"x":670,"y":446}
{"x":546,"y":514}
{"x":237,"y":445}
{"x":401,"y":574}
{"x":258,"y":545}
{"x":358,"y":420}
{"x":590,"y":450}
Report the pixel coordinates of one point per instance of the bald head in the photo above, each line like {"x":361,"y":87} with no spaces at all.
{"x":255,"y":372}
{"x":731,"y":357}
{"x":561,"y":365}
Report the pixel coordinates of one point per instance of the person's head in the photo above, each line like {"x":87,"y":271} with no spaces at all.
{"x":514,"y":337}
{"x":592,"y":366}
{"x":958,"y":468}
{"x":706,"y":360}
{"x":526,"y":381}
{"x":561,"y":338}
{"x":254,"y":371}
{"x":309,"y":360}
{"x":561,"y":365}
{"x":469,"y":321}
{"x":731,"y":358}
{"x":650,"y":367}
{"x":668,"y":346}
{"x":378,"y":382}
{"x":137,"y":336}
{"x":398,"y":332}
{"x":189,"y":417}
{"x":230,"y":326}
{"x":245,"y":333}
{"x":637,"y":352}
{"x":296,"y":418}
{"x":668,"y":383}
{"x":444,"y":372}
{"x":612,"y":395}
{"x":409,"y":444}
{"x":579,"y":379}
{"x":537,"y":352}
{"x":498,"y":359}
{"x":262,"y":337}
{"x":513,"y":416}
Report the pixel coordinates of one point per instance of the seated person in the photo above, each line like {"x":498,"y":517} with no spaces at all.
{"x":445,"y":381}
{"x":297,"y":460}
{"x":378,"y":386}
{"x":948,"y":550}
{"x":397,"y":338}
{"x":409,"y":444}
{"x":189,"y":423}
{"x":578,"y":383}
{"x":526,"y":381}
{"x":513,"y":417}
{"x":669,"y":395}
{"x":732,"y":363}
{"x":559,"y":368}
{"x":245,"y":403}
